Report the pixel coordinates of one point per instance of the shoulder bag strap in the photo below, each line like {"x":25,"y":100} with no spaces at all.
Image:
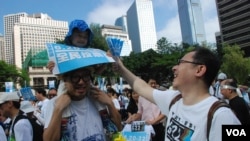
{"x":216,"y":105}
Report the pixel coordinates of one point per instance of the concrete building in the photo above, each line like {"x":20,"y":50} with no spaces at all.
{"x":25,"y":32}
{"x":141,"y":26}
{"x":117,"y":31}
{"x":234,"y":20}
{"x":191,"y":22}
{"x":1,"y":47}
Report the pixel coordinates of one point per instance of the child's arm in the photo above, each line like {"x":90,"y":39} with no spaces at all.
{"x":51,"y":65}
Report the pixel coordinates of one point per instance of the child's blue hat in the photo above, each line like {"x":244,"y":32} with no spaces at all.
{"x":80,"y":25}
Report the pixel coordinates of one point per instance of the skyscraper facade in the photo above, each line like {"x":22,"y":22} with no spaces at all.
{"x":122,"y":21}
{"x":234,"y":20}
{"x":141,"y":26}
{"x":1,"y":47}
{"x":25,"y":32}
{"x":191,"y":22}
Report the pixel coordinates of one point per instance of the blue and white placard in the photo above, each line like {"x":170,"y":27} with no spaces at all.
{"x":136,"y":136}
{"x":69,"y":58}
{"x":9,"y":87}
{"x":27,"y":93}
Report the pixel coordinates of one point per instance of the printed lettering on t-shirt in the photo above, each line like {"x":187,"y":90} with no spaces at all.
{"x":178,"y":129}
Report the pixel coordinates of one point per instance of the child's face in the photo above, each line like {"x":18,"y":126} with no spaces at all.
{"x":79,"y":38}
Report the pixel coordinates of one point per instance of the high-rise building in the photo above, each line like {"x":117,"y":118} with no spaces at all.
{"x":191,"y":22}
{"x":122,"y":21}
{"x":234,"y":20}
{"x":25,"y":32}
{"x":117,"y":31}
{"x":141,"y":26}
{"x":1,"y":47}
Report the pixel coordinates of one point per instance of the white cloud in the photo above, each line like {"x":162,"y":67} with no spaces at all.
{"x":210,"y":19}
{"x":171,"y":31}
{"x":211,"y":26}
{"x":108,"y":11}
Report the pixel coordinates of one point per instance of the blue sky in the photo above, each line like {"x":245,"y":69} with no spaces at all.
{"x":106,"y":11}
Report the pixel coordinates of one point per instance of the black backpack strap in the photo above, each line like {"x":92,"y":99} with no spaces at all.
{"x":175,"y":99}
{"x":18,"y":117}
{"x":216,"y":105}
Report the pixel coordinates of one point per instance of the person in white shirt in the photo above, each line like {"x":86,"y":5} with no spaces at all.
{"x":217,"y":93}
{"x":10,"y":104}
{"x":193,"y":74}
{"x":2,"y":134}
{"x":113,"y":95}
{"x":82,"y":122}
{"x":41,"y":96}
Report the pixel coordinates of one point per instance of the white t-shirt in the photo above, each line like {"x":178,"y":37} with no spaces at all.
{"x":124,"y":100}
{"x":23,"y":131}
{"x":2,"y":134}
{"x":116,"y":103}
{"x":189,"y":122}
{"x":44,"y":104}
{"x":82,"y":124}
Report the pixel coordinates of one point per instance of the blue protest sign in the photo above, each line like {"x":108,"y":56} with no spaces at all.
{"x":9,"y":87}
{"x":115,"y":45}
{"x":68,"y":58}
{"x":136,"y":136}
{"x":27,"y":93}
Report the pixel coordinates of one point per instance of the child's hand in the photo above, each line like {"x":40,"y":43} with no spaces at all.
{"x":51,"y":65}
{"x":100,"y":96}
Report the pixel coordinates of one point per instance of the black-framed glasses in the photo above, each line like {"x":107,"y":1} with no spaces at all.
{"x":75,"y":78}
{"x":185,"y":61}
{"x":51,"y":95}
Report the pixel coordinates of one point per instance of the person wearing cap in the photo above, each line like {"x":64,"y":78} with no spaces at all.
{"x":79,"y":35}
{"x":83,"y":122}
{"x":10,"y":106}
{"x":228,"y":90}
{"x":27,"y":108}
{"x":221,"y":76}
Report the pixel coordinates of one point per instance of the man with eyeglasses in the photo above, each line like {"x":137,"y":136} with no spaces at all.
{"x":83,"y":121}
{"x":238,"y":105}
{"x":52,"y":93}
{"x":187,"y":117}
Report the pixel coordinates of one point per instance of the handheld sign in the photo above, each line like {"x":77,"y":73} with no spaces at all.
{"x":115,"y":45}
{"x":136,"y":136}
{"x":68,"y":58}
{"x":27,"y":93}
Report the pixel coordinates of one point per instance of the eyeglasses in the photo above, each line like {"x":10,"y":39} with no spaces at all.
{"x":185,"y":61}
{"x":76,"y":78}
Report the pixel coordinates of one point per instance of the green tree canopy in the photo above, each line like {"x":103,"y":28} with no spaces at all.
{"x":234,"y":64}
{"x":10,"y":73}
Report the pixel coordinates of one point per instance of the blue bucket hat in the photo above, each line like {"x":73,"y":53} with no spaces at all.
{"x":80,"y":25}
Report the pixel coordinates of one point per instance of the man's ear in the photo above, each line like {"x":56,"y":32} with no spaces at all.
{"x":201,"y":69}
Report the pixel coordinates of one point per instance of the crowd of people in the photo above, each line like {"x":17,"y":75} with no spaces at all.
{"x":78,"y":110}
